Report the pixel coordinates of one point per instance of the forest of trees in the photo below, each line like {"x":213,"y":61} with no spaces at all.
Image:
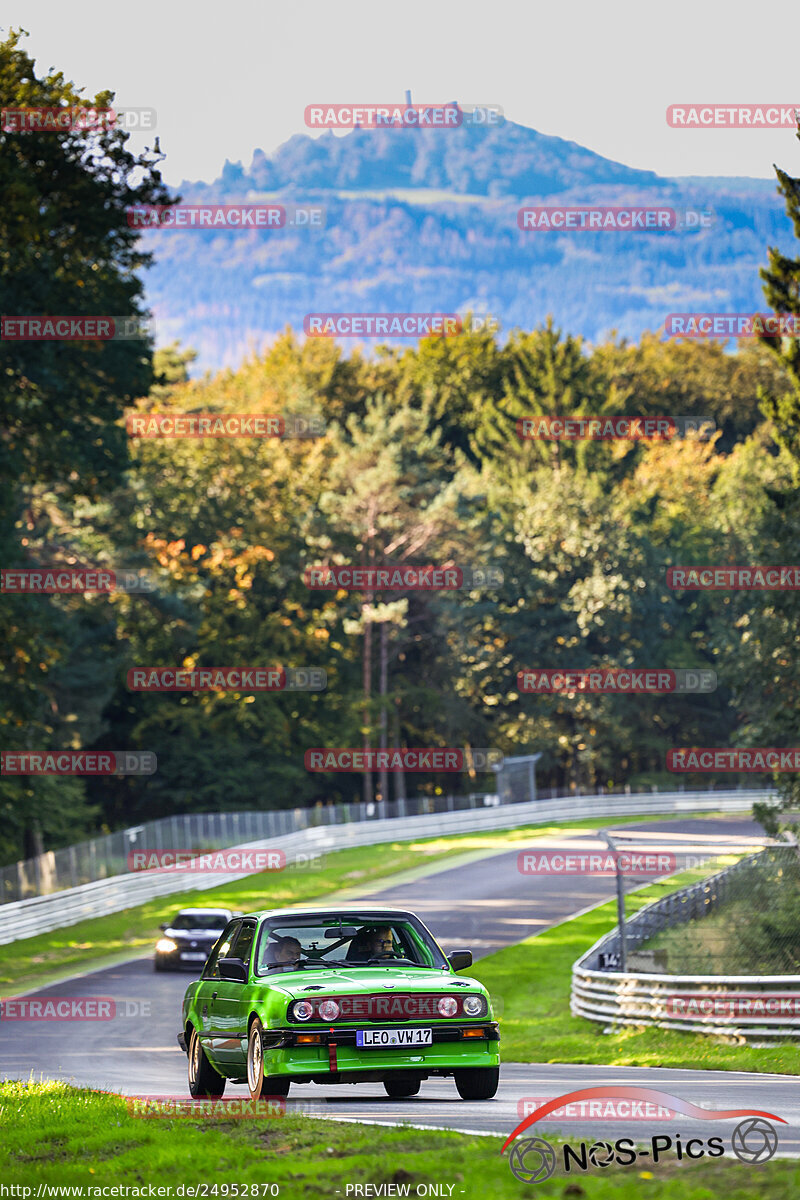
{"x":420,"y":463}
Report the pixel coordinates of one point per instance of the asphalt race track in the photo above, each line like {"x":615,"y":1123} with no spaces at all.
{"x":485,"y":906}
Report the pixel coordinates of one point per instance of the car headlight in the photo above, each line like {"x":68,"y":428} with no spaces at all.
{"x":302,"y":1010}
{"x":329,"y":1010}
{"x":448,"y":1006}
{"x":165,"y":946}
{"x":474,"y":1006}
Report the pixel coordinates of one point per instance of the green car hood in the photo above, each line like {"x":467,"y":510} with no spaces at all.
{"x":357,"y":981}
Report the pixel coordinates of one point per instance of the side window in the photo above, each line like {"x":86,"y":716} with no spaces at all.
{"x":244,"y":943}
{"x":221,"y":950}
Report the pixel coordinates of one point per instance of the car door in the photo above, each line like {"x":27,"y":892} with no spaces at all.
{"x":230,"y":1010}
{"x":207,"y":1001}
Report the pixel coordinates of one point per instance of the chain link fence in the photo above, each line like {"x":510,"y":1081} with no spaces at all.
{"x":743,"y":920}
{"x":107,"y":856}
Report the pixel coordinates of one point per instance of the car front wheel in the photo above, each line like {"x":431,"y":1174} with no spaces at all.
{"x":477,"y":1083}
{"x":258,"y":1083}
{"x":203,"y":1079}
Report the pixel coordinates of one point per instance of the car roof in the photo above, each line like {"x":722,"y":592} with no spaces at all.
{"x":341,"y":910}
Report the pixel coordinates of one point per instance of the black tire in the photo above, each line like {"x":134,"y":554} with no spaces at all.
{"x":477,"y":1083}
{"x":400,"y":1089}
{"x":158,"y":965}
{"x":204,"y":1081}
{"x":259,"y":1084}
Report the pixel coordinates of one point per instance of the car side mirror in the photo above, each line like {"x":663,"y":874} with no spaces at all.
{"x":234,"y":970}
{"x":460,"y":959}
{"x":163,"y":927}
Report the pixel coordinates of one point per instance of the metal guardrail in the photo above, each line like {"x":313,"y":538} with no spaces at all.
{"x":636,"y":998}
{"x":40,"y":914}
{"x":105,"y":857}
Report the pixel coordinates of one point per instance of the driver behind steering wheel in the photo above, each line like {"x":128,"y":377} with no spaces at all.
{"x":371,"y":943}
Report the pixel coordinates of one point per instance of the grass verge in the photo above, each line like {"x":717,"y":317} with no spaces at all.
{"x":44,"y":958}
{"x":532,"y":980}
{"x":58,"y":1137}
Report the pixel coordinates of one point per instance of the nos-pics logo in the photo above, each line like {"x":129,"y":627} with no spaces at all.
{"x":533,"y":1160}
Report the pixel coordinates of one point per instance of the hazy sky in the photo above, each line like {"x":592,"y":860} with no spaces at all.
{"x":228,"y":77}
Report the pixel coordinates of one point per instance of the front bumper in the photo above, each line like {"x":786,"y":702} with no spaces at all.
{"x":275,"y":1039}
{"x":337,"y":1057}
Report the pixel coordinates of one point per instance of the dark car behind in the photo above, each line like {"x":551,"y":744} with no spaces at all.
{"x":187,"y":939}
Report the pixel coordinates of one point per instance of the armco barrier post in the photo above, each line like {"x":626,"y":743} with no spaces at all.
{"x":623,"y":948}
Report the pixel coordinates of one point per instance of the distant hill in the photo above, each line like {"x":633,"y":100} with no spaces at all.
{"x":427,"y":221}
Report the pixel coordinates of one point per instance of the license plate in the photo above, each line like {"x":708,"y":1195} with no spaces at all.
{"x":393,"y":1037}
{"x":191,"y":957}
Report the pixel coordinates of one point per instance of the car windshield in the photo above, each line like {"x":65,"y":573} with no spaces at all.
{"x":353,"y":942}
{"x":210,"y":920}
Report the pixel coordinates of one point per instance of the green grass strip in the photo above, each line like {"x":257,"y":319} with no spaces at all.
{"x":59,"y":1137}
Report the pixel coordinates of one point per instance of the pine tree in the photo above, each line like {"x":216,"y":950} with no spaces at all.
{"x":774,"y":627}
{"x":782,"y":290}
{"x":65,"y":249}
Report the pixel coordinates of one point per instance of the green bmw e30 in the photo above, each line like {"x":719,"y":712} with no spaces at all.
{"x":337,"y":996}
